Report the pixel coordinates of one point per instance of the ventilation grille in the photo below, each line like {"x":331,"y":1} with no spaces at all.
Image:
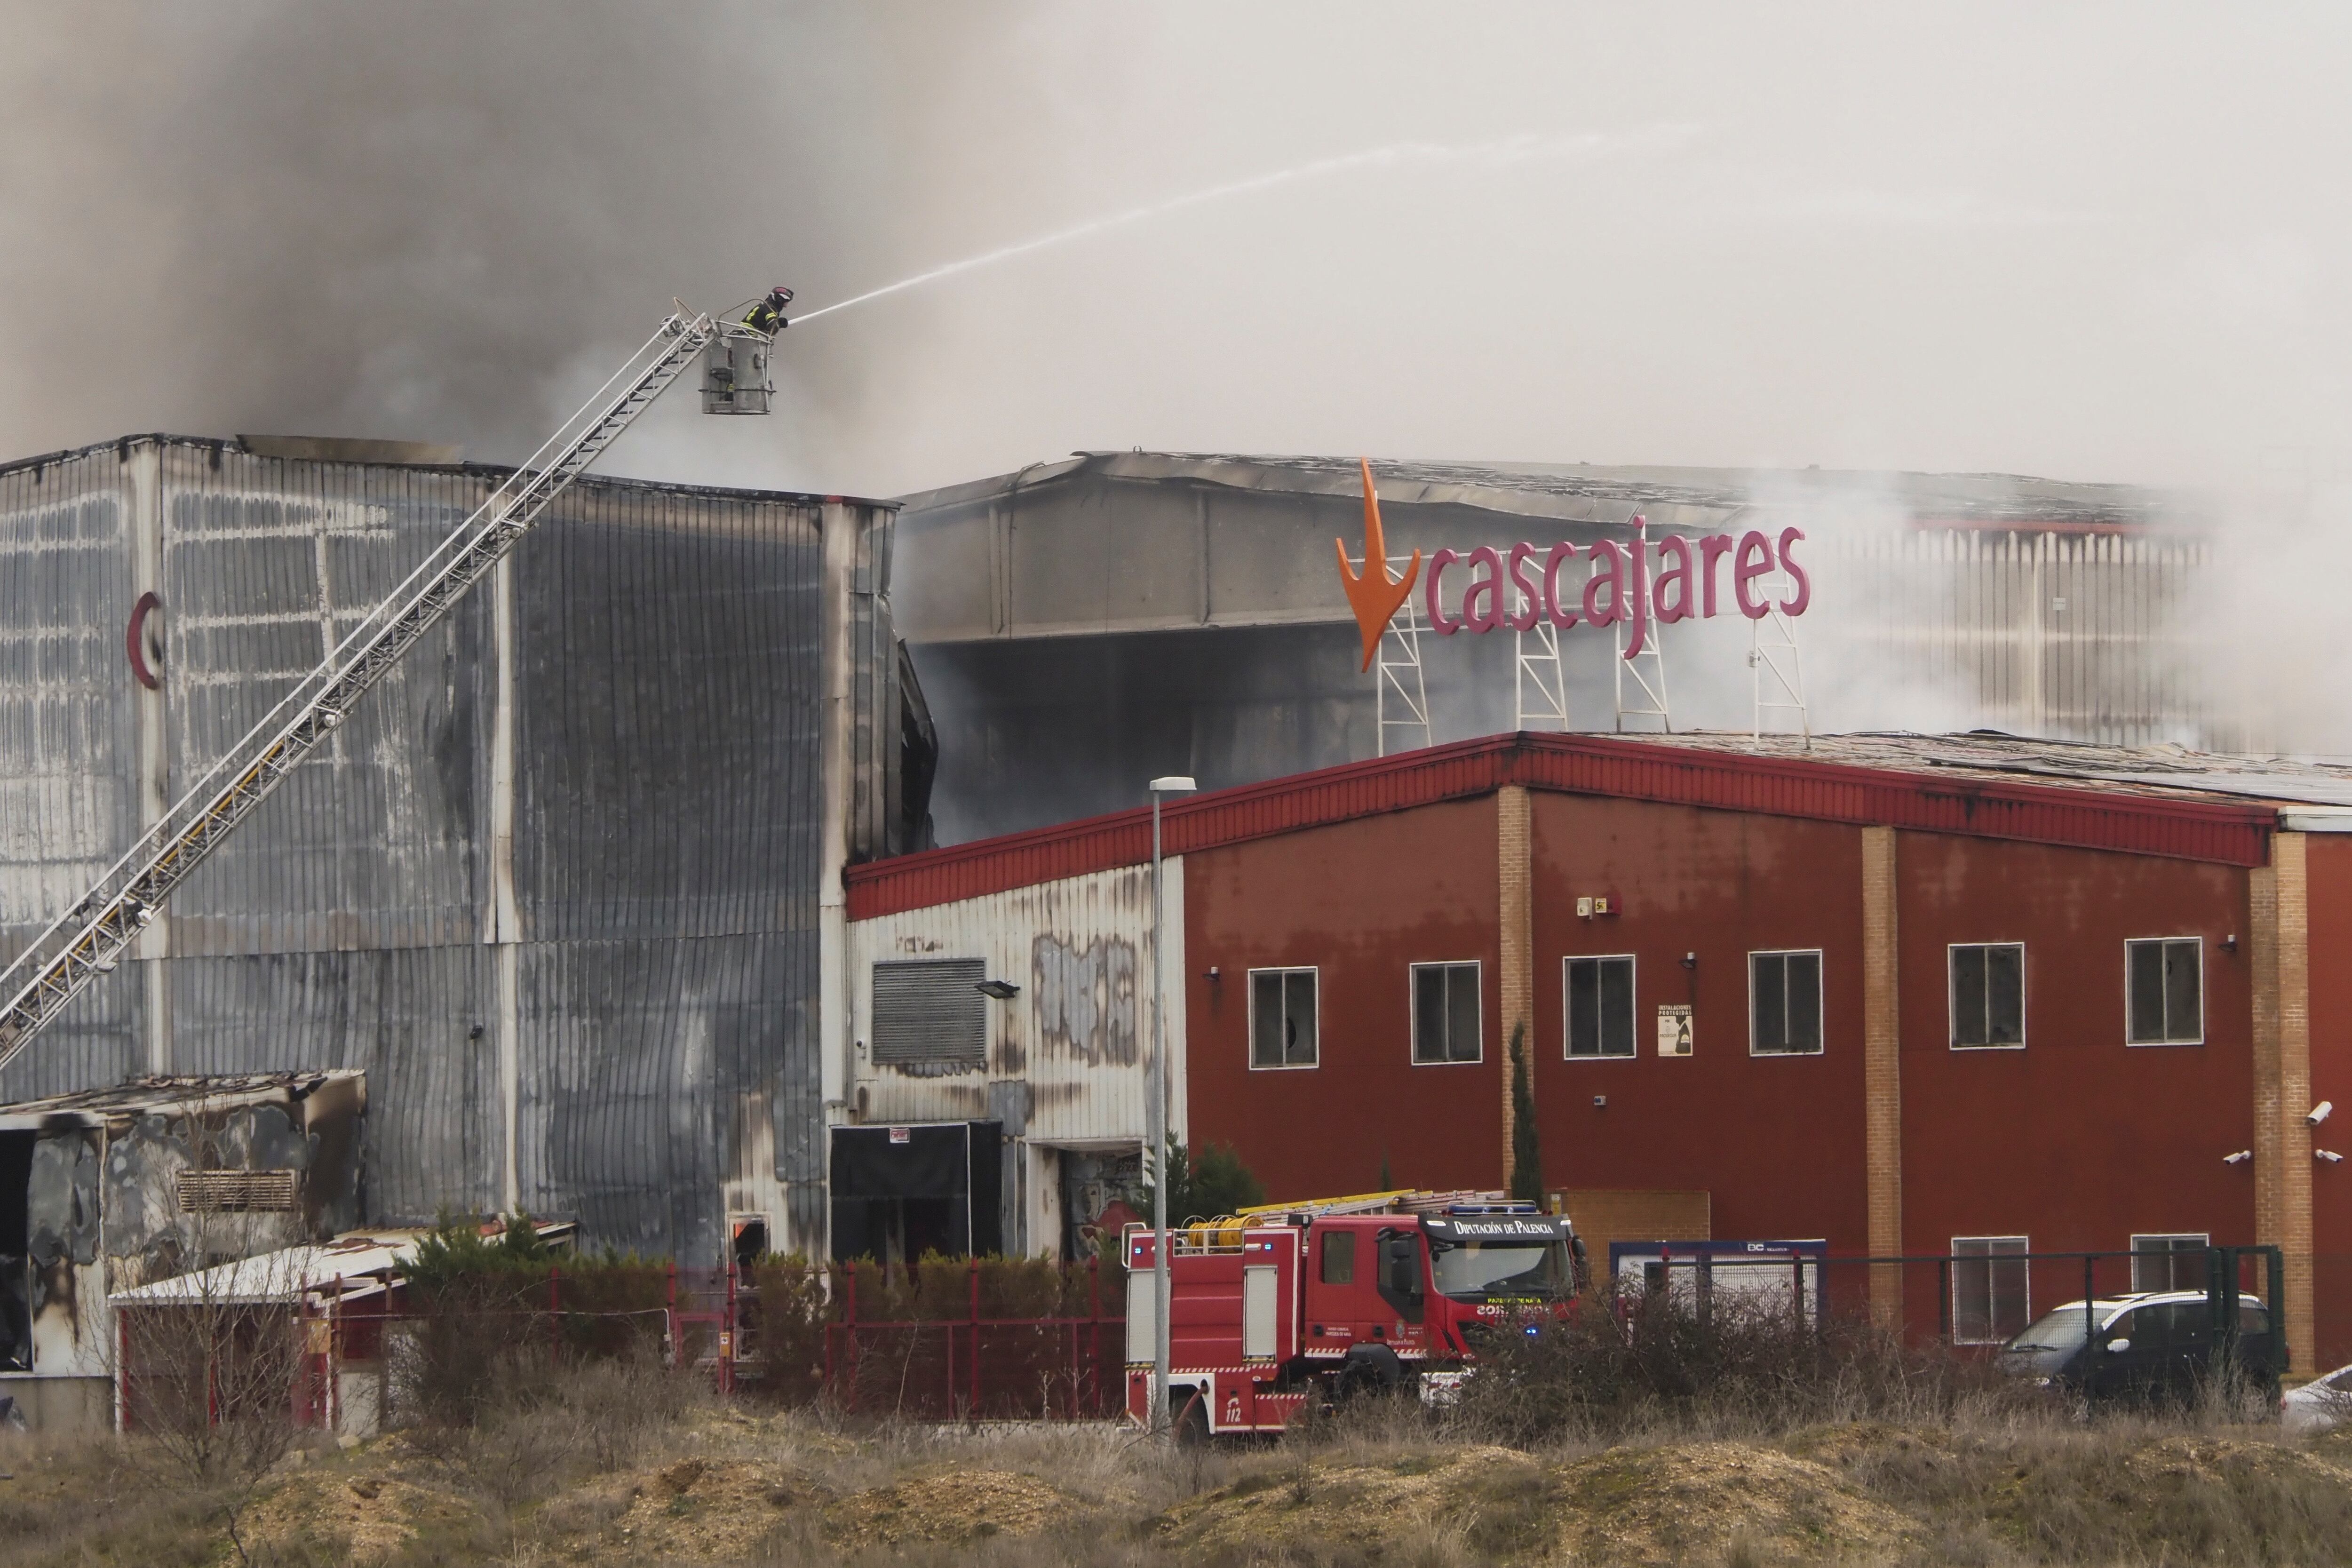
{"x":929,"y":1013}
{"x":237,"y":1192}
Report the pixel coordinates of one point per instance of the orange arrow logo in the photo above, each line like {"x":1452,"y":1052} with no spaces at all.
{"x":1373,"y":595}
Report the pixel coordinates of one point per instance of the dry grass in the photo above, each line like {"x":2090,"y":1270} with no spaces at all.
{"x":619,"y":1464}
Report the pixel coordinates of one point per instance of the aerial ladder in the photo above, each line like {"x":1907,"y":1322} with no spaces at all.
{"x":90,"y":939}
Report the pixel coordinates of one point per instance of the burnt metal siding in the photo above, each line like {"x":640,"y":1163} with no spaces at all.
{"x":68,"y":797}
{"x":634,"y":1053}
{"x":668,"y":851}
{"x":667,"y":737}
{"x":372,"y":843}
{"x":406,"y":1016}
{"x":668,"y":717}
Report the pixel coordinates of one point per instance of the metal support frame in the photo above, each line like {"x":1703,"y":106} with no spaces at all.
{"x":90,"y":938}
{"x":1540,"y":675}
{"x":1399,"y":684}
{"x":1772,"y":660}
{"x":1652,"y":686}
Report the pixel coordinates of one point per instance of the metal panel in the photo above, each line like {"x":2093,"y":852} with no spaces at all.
{"x":634,"y":1055}
{"x":412,"y":1019}
{"x":1261,"y":1299}
{"x":668,"y":708}
{"x":267,"y":563}
{"x":929,"y":1013}
{"x":68,"y":795}
{"x":1071,"y":1046}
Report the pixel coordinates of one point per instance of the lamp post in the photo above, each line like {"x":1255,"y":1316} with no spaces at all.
{"x":1155,"y":1119}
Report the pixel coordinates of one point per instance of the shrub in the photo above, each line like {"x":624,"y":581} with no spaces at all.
{"x":1623,"y":1364}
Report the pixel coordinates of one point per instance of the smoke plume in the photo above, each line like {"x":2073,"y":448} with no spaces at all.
{"x":2095,"y":242}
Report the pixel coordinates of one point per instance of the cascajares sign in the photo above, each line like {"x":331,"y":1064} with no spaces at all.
{"x":1634,"y":582}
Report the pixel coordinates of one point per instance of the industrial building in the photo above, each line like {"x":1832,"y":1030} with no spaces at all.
{"x":1901,"y":994}
{"x":565,"y":887}
{"x":1082,"y":624}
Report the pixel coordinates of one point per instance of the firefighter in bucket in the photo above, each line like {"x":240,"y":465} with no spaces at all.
{"x":767,"y":315}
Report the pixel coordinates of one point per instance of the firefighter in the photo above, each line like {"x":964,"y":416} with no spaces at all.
{"x":767,"y":315}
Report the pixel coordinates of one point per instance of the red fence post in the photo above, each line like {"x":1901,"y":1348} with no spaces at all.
{"x":554,"y":1314}
{"x":669,"y":1318}
{"x":975,"y":1338}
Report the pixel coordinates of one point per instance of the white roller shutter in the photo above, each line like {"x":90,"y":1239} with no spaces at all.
{"x":1260,"y":1302}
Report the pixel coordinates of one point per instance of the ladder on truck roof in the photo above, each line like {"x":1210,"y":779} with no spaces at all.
{"x":1224,"y":1232}
{"x":90,"y":939}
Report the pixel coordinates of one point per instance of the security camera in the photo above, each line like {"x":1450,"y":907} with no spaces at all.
{"x":2330,"y":1155}
{"x":2319,"y":1112}
{"x":2240,"y":1158}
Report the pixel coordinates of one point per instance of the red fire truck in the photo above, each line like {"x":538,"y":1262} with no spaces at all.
{"x":1320,"y":1301}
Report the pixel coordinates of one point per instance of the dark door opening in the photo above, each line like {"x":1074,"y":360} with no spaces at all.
{"x":901,"y":1191}
{"x":15,"y":1243}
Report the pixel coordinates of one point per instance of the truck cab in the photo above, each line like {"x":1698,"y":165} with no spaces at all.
{"x":1267,"y":1312}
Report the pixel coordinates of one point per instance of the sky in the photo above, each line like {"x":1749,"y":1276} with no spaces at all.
{"x":2096,"y":242}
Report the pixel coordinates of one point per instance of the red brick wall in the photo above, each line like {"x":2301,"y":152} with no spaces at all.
{"x":1777,"y":1140}
{"x":2329,"y":858}
{"x":1359,"y":900}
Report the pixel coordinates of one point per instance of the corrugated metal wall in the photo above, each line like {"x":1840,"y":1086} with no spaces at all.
{"x":68,"y":799}
{"x":2078,"y":637}
{"x":667,"y":844}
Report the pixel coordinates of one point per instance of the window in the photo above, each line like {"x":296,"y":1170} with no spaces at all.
{"x":1988,"y":996}
{"x":1446,"y":1012}
{"x":929,"y":1013}
{"x":2164,"y":979}
{"x":1600,"y":1006}
{"x":2175,"y":1262}
{"x":1784,"y":1004}
{"x":1990,"y":1300}
{"x":1338,"y":1257}
{"x":1282,"y":1019}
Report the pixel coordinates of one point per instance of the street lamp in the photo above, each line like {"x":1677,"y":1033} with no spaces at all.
{"x":1156,"y":1122}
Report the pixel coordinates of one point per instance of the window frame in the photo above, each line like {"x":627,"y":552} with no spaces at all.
{"x":2132,"y":942}
{"x":1820,"y":997}
{"x":1249,"y":1027}
{"x":2023,"y":1258}
{"x":2203,"y":1239}
{"x":1952,"y":997}
{"x":1632,"y":1052}
{"x":1478,"y":966}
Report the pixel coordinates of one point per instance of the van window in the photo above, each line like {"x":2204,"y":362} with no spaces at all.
{"x":1338,"y":1257}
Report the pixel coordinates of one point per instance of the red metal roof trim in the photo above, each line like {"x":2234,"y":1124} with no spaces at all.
{"x":2226,"y":833}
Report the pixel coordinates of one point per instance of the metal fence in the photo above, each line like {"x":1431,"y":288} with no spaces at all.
{"x":979,"y":1367}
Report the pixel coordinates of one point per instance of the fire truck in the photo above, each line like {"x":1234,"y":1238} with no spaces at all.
{"x":1322,"y":1301}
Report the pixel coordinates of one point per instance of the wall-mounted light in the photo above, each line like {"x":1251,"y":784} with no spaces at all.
{"x":1002,"y":989}
{"x":1211,"y":974}
{"x":2240,"y":1158}
{"x":2230,"y":943}
{"x":1690,"y":961}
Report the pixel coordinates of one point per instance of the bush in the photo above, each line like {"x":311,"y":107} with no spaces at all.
{"x":489,"y":1313}
{"x":1624,"y":1365}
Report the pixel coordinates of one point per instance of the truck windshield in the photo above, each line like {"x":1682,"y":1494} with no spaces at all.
{"x":1483,"y":1270}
